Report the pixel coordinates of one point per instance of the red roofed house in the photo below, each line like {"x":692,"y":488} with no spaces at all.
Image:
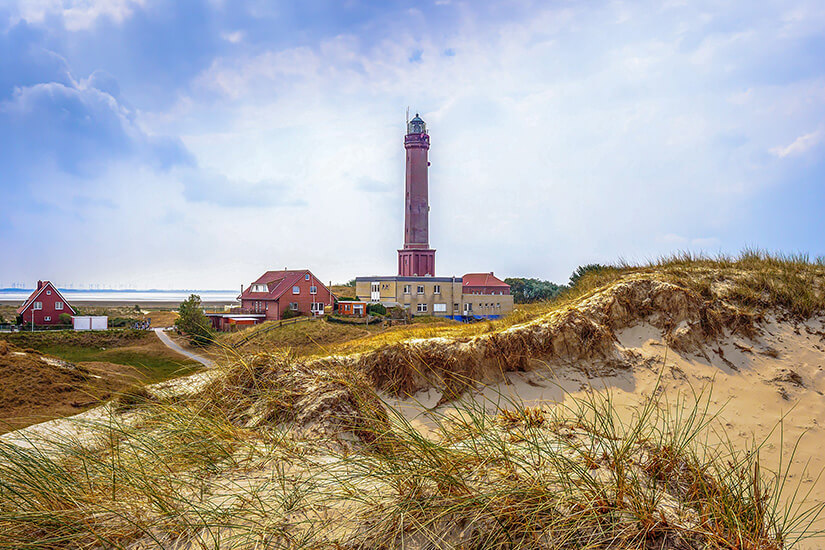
{"x":276,"y":292}
{"x":45,"y":305}
{"x":484,"y":283}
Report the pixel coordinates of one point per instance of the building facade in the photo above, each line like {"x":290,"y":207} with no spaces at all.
{"x":272,"y":295}
{"x":45,"y":305}
{"x":276,"y":292}
{"x":438,"y":296}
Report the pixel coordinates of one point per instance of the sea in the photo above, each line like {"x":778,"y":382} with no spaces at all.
{"x":126,"y":296}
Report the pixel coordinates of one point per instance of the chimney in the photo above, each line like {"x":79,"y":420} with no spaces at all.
{"x":39,"y":285}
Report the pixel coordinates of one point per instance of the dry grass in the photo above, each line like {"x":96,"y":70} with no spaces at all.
{"x":754,"y":281}
{"x":303,"y":339}
{"x":246,"y":464}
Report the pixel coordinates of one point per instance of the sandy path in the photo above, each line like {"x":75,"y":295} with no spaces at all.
{"x":173,"y":346}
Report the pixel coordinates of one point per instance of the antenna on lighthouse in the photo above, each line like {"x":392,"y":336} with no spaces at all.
{"x":408,"y":114}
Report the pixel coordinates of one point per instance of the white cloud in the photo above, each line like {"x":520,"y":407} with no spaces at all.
{"x":234,"y":37}
{"x":78,"y":14}
{"x":800,"y":145}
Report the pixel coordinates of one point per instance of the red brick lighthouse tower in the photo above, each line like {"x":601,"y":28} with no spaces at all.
{"x":416,"y":258}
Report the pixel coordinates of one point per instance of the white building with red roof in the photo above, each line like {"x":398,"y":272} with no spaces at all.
{"x":45,"y":305}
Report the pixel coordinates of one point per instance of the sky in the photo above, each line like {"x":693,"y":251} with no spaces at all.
{"x":198,"y":143}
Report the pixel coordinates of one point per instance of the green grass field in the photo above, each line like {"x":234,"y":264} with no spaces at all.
{"x":138,"y":349}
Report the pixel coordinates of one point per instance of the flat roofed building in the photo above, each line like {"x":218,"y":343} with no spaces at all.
{"x":439,"y":296}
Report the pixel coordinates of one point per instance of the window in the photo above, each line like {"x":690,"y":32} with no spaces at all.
{"x":47,"y":318}
{"x":296,"y":289}
{"x":48,"y":293}
{"x":420,"y":289}
{"x":455,"y":307}
{"x":317,"y":307}
{"x":422,"y":308}
{"x":439,"y":308}
{"x":358,"y":309}
{"x":37,"y":305}
{"x":306,"y":277}
{"x":313,"y":290}
{"x":260,"y":288}
{"x":58,"y":305}
{"x":407,"y":289}
{"x":293,"y":306}
{"x":437,"y":289}
{"x":498,"y":306}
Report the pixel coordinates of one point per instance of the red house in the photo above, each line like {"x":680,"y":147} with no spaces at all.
{"x":45,"y":305}
{"x":483,"y":283}
{"x":276,"y":292}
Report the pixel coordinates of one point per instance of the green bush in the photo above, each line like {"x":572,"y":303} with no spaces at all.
{"x":532,"y":290}
{"x":290,"y":313}
{"x":376,"y":309}
{"x":193,"y":323}
{"x":65,"y":319}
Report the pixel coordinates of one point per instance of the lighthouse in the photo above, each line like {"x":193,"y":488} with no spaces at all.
{"x":416,"y":258}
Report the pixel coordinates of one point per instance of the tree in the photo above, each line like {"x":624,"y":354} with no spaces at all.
{"x":582,"y":270}
{"x":193,"y":323}
{"x":532,"y":290}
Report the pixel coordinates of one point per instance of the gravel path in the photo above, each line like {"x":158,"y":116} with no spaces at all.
{"x":172,"y":345}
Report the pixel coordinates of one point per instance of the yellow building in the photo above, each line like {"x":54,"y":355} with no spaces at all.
{"x":476,"y":295}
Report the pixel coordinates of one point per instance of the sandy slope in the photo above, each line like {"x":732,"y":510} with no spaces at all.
{"x":767,"y":388}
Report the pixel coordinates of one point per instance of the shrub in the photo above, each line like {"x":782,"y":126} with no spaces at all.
{"x":290,"y":313}
{"x":376,"y":309}
{"x":532,"y":290}
{"x":65,"y":319}
{"x":193,"y":323}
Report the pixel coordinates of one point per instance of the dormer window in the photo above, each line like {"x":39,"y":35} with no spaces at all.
{"x":260,"y":288}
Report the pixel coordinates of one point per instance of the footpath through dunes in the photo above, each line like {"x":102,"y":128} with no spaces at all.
{"x":640,"y":411}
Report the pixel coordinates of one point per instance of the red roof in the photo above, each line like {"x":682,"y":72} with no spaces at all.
{"x":483,"y":279}
{"x":41,"y":287}
{"x":277,"y":282}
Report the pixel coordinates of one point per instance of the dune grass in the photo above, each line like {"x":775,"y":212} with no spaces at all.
{"x":754,"y":280}
{"x":579,"y":475}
